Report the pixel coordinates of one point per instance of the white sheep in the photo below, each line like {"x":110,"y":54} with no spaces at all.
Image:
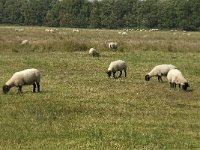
{"x":19,"y":29}
{"x":115,"y":66}
{"x":24,"y":77}
{"x":124,"y":33}
{"x":113,"y":45}
{"x":50,"y":30}
{"x":24,"y":42}
{"x":75,"y":30}
{"x":47,"y":30}
{"x":93,"y":52}
{"x":159,"y":71}
{"x":175,"y":77}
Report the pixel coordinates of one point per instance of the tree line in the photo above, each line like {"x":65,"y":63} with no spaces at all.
{"x":111,"y":14}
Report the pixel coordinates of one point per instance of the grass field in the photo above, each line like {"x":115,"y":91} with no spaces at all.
{"x":80,"y":108}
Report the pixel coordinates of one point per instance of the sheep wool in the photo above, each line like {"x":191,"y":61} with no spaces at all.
{"x":159,"y":71}
{"x":24,"y":77}
{"x":24,"y":42}
{"x":176,"y":77}
{"x":115,"y":66}
{"x":93,"y":52}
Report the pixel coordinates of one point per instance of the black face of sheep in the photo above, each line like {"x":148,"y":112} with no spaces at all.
{"x":109,"y":73}
{"x":6,"y":89}
{"x":185,"y":86}
{"x":147,"y":78}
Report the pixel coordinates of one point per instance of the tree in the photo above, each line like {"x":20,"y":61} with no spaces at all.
{"x":53,"y":15}
{"x":95,"y":20}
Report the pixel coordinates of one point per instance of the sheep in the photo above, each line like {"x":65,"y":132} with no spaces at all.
{"x":75,"y":30}
{"x":19,"y":29}
{"x":50,"y":30}
{"x":24,"y":42}
{"x":159,"y":71}
{"x":24,"y":77}
{"x":152,"y":30}
{"x":124,"y":33}
{"x":47,"y":30}
{"x":113,"y":45}
{"x":93,"y":52}
{"x":175,"y":77}
{"x":115,"y":66}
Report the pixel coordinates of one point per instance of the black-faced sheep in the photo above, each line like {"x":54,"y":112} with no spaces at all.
{"x":24,"y":77}
{"x":175,"y":77}
{"x":93,"y":52}
{"x":159,"y":71}
{"x":115,"y":66}
{"x":113,"y":45}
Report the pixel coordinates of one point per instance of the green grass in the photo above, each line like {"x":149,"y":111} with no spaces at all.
{"x":80,"y":108}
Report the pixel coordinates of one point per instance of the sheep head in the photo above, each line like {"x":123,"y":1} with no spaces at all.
{"x":6,"y":89}
{"x":147,"y":77}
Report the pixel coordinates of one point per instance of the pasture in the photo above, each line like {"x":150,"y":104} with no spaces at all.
{"x":79,"y":107}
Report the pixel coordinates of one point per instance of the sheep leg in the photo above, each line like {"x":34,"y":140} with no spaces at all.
{"x":171,"y":85}
{"x":125,"y":72}
{"x":160,"y":79}
{"x":38,"y":86}
{"x":34,"y":87}
{"x":20,"y":88}
{"x":114,"y":74}
{"x":120,"y":74}
{"x":174,"y":85}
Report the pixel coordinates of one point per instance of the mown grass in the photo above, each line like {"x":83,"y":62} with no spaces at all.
{"x":80,"y":108}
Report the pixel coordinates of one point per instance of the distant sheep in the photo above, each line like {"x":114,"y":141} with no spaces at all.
{"x":124,"y":33}
{"x":24,"y":42}
{"x":159,"y":71}
{"x":152,"y":30}
{"x":115,"y":66}
{"x":19,"y":29}
{"x":93,"y":52}
{"x":50,"y":30}
{"x":175,"y":77}
{"x":25,"y":77}
{"x":113,"y":45}
{"x":75,"y":30}
{"x":47,"y":30}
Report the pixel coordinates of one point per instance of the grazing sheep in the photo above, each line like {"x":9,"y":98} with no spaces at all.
{"x":113,"y":45}
{"x":159,"y":71}
{"x":19,"y":29}
{"x":75,"y":30}
{"x":124,"y":33}
{"x":24,"y":42}
{"x":47,"y":30}
{"x":93,"y":52}
{"x":115,"y":66}
{"x":175,"y":77}
{"x":24,"y":77}
{"x":50,"y":30}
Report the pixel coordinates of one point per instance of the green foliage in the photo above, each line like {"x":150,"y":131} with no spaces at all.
{"x":112,"y":14}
